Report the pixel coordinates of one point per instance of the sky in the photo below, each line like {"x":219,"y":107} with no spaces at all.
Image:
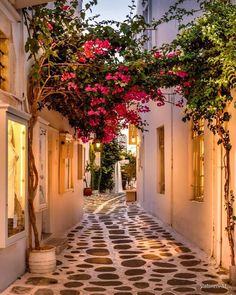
{"x":111,"y":9}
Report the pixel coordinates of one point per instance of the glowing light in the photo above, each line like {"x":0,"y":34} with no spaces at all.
{"x":133,"y":139}
{"x":98,"y":145}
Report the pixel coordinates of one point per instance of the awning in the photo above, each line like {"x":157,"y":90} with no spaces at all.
{"x":26,"y":3}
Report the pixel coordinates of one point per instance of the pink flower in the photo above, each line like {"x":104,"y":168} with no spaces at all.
{"x":102,"y":111}
{"x":121,"y":109}
{"x":136,"y":94}
{"x":89,"y":54}
{"x":67,"y":76}
{"x":171,"y":54}
{"x":109,"y":134}
{"x":50,"y":26}
{"x":180,"y":103}
{"x":157,"y":54}
{"x":124,"y":78}
{"x":84,"y":139}
{"x":122,"y":68}
{"x":90,"y":89}
{"x":117,"y":89}
{"x":95,"y":101}
{"x":96,"y":47}
{"x":159,"y":92}
{"x":133,"y":117}
{"x":82,"y":60}
{"x":66,"y":7}
{"x":181,"y":74}
{"x":93,"y":122}
{"x":104,"y":90}
{"x":187,"y":84}
{"x":109,"y":76}
{"x":178,"y":89}
{"x":72,"y":85}
{"x":93,"y":113}
{"x":144,"y":109}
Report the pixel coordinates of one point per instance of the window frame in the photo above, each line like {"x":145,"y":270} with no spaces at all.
{"x":198,"y":173}
{"x":161,"y":160}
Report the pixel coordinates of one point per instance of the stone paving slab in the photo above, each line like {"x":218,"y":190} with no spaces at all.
{"x":122,"y":250}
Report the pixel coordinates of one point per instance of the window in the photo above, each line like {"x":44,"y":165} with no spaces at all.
{"x":68,"y":174}
{"x":66,"y":182}
{"x":161,"y":160}
{"x":3,"y":61}
{"x":147,"y":14}
{"x":198,"y":162}
{"x":16,"y":177}
{"x":80,"y":161}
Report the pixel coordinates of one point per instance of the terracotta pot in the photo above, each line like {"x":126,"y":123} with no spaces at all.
{"x":87,"y":191}
{"x":42,"y":261}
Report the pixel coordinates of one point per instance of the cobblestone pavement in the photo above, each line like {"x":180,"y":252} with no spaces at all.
{"x":122,"y":250}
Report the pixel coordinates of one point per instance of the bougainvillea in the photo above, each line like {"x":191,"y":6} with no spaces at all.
{"x":96,"y":76}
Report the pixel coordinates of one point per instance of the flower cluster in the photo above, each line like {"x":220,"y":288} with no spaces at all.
{"x":93,"y":48}
{"x":117,"y":97}
{"x":67,"y":76}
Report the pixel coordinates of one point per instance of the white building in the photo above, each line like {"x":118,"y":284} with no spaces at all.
{"x":59,"y":159}
{"x":180,"y":175}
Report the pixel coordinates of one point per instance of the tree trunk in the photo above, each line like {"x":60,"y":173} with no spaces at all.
{"x":228,"y":196}
{"x":32,"y":185}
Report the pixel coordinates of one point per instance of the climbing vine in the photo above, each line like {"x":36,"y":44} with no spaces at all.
{"x":207,"y":54}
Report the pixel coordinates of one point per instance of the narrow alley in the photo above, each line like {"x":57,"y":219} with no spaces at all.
{"x":119,"y":249}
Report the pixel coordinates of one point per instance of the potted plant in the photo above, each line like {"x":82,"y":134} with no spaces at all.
{"x":87,"y":189}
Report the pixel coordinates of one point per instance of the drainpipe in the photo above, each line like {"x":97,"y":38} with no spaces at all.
{"x":172,"y":162}
{"x":221,"y":202}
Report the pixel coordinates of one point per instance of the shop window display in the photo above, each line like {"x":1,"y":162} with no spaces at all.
{"x":40,"y":147}
{"x":42,"y":166}
{"x":16,"y":177}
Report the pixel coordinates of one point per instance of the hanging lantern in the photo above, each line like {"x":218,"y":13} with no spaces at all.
{"x":97,"y":145}
{"x":132,"y":134}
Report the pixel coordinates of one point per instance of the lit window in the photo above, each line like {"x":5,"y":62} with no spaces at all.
{"x":16,"y":177}
{"x":161,"y":160}
{"x":66,"y":162}
{"x":198,"y":162}
{"x":3,"y":61}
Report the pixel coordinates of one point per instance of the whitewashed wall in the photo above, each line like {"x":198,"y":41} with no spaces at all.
{"x":202,"y":223}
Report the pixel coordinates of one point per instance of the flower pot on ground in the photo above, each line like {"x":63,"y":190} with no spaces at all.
{"x":87,"y":191}
{"x":42,"y":261}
